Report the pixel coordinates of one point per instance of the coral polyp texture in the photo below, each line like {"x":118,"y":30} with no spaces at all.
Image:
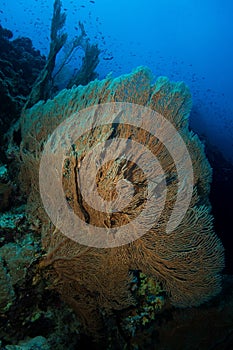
{"x":187,"y":262}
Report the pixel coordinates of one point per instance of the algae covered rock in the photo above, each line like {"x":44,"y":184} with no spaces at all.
{"x":15,"y":260}
{"x":7,"y":294}
{"x":37,"y":343}
{"x":5,"y":188}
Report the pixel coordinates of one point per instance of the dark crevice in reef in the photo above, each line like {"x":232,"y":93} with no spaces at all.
{"x":221,"y":195}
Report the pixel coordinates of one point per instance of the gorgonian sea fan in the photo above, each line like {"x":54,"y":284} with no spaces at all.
{"x":187,"y":262}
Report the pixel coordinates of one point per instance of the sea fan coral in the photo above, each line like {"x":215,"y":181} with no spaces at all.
{"x":187,"y":262}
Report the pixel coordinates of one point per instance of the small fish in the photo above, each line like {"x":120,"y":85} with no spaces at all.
{"x":92,"y":1}
{"x":108,"y":58}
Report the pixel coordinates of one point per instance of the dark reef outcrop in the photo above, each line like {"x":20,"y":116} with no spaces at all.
{"x":20,"y":65}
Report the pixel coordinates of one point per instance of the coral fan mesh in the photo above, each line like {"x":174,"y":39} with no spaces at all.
{"x":187,"y":261}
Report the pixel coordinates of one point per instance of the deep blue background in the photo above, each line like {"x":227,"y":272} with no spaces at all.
{"x":189,"y":40}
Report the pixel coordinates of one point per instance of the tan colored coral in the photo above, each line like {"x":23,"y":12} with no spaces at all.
{"x":187,"y":262}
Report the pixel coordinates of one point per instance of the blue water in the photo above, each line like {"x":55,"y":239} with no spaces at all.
{"x":184,"y":39}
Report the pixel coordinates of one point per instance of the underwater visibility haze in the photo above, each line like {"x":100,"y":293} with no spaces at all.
{"x":183,"y":40}
{"x":149,"y":84}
